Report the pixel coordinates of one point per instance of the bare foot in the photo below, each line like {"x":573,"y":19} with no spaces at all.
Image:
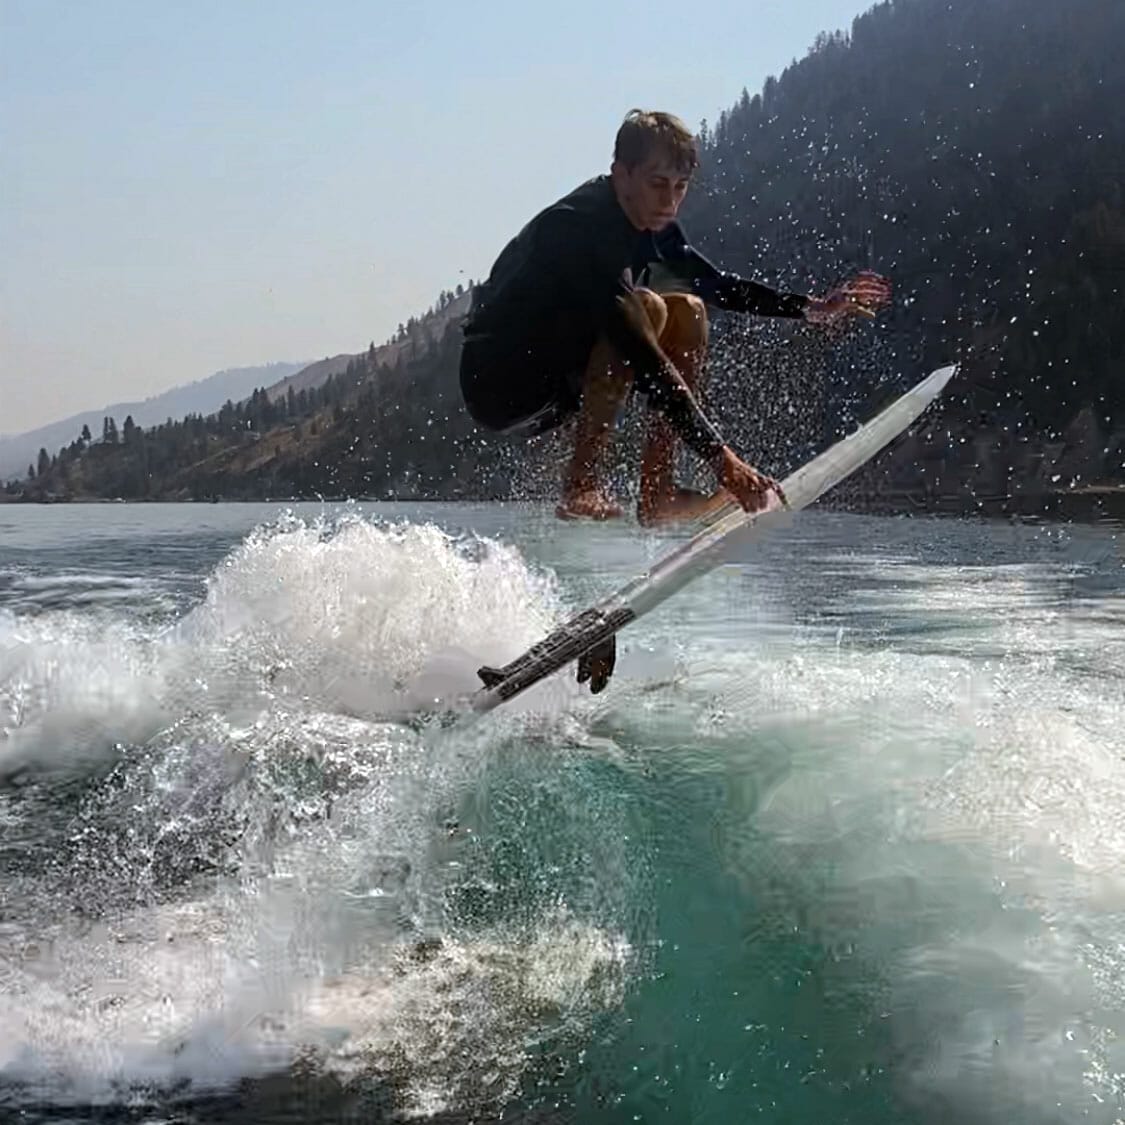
{"x":589,"y":504}
{"x":682,"y":505}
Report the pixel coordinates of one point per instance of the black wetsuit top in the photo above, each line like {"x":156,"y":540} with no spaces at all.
{"x":575,"y":259}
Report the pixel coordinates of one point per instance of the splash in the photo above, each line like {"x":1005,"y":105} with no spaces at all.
{"x":338,"y":616}
{"x":255,"y":875}
{"x":368,"y":619}
{"x":72,"y":689}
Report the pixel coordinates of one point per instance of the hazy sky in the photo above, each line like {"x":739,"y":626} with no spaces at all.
{"x":188,"y":187}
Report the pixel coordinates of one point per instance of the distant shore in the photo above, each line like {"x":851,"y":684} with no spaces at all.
{"x":1080,"y":505}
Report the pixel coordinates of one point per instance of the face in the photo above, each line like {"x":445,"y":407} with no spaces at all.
{"x":651,"y":193}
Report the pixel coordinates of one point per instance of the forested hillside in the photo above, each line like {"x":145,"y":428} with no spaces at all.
{"x":971,"y":150}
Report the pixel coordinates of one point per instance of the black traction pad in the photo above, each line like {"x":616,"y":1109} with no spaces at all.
{"x":587,"y":638}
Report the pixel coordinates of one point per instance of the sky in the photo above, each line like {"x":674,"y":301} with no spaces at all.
{"x":190,"y":187}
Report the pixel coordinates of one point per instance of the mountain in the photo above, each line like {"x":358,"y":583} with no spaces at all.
{"x":203,"y":396}
{"x":305,"y":435}
{"x":312,"y":376}
{"x":417,"y":334}
{"x":969,"y":149}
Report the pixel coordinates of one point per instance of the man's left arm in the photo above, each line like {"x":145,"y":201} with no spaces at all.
{"x":860,"y":295}
{"x":720,"y":289}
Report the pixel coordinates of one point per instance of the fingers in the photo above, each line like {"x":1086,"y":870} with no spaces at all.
{"x":774,"y":486}
{"x":858,"y":296}
{"x":867,"y":291}
{"x":753,"y":495}
{"x":762,"y":486}
{"x":868,"y":280}
{"x":870,"y":277}
{"x":868,"y":294}
{"x":748,"y":486}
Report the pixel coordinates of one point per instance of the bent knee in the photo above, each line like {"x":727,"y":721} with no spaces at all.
{"x":686,"y":318}
{"x":654,"y":307}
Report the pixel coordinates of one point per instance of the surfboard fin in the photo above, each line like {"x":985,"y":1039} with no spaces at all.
{"x":594,"y":666}
{"x":587,"y":638}
{"x":597,"y":664}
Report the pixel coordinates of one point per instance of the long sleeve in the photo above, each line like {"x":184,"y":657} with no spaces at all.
{"x":607,"y":291}
{"x":724,"y":290}
{"x":657,"y":378}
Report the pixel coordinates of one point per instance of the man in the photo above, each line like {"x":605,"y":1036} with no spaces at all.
{"x":566,"y":325}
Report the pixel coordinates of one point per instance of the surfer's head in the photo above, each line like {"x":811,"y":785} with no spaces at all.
{"x":654,"y":158}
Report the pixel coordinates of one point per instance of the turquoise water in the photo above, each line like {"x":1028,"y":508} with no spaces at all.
{"x":844,"y":840}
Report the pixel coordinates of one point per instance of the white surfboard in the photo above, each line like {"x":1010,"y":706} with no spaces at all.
{"x":593,"y":630}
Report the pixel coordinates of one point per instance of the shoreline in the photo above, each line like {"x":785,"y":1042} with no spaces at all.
{"x":1085,"y":505}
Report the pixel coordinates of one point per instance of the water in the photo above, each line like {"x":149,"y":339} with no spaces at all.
{"x":844,"y":841}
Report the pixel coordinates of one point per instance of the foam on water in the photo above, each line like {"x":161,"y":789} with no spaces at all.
{"x":490,"y":999}
{"x":960,"y":818}
{"x":253,"y":879}
{"x":71,"y":688}
{"x":370,"y":619}
{"x":175,"y":999}
{"x":340,"y":616}
{"x":269,"y":868}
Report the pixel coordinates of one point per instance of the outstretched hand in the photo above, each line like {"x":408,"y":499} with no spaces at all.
{"x":862,"y":295}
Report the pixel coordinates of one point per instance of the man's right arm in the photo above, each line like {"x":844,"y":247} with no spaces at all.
{"x":630,"y":331}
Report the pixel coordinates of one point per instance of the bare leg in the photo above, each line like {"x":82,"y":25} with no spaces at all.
{"x":605,"y":386}
{"x":684,"y":340}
